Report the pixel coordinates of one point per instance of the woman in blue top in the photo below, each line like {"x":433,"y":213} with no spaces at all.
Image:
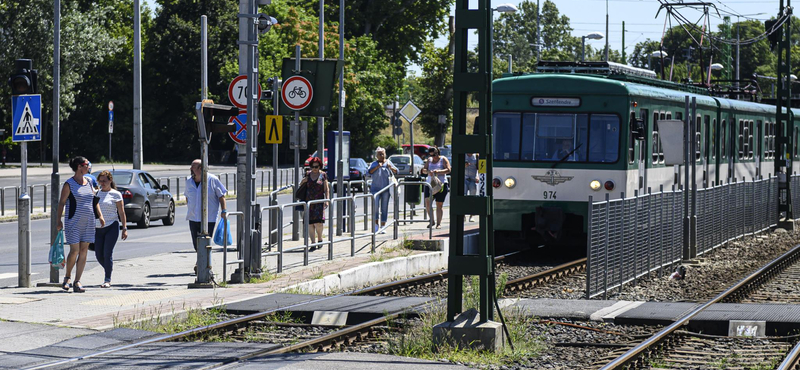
{"x":382,"y":171}
{"x":79,"y":221}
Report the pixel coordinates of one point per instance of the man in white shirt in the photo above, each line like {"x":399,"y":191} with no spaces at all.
{"x":216,"y":200}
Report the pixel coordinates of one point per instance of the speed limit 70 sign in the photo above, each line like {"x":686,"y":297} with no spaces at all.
{"x":237,"y":92}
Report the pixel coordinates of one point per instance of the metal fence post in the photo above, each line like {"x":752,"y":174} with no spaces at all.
{"x":606,"y":247}
{"x":622,"y":242}
{"x":352,"y":228}
{"x":636,"y":228}
{"x":330,"y":228}
{"x":589,"y":258}
{"x":661,"y":230}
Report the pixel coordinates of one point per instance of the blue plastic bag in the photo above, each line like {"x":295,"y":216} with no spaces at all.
{"x":57,"y":251}
{"x":219,"y":231}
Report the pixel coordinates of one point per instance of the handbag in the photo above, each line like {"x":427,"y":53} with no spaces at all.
{"x":302,"y":192}
{"x":436,"y":185}
{"x":56,"y":257}
{"x":222,"y":232}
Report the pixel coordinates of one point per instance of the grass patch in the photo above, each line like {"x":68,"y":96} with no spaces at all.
{"x":417,"y":341}
{"x":176,"y":321}
{"x":265,"y":277}
{"x":318,"y":273}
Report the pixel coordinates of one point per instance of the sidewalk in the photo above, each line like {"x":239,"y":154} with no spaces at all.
{"x":153,"y":286}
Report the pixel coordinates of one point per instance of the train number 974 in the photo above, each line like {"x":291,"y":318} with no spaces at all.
{"x":549,"y":194}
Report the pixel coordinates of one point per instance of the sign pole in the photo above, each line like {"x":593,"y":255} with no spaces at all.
{"x":339,"y":159}
{"x":273,"y":220}
{"x":24,"y":218}
{"x":296,"y":123}
{"x":55,"y":176}
{"x":252,"y":216}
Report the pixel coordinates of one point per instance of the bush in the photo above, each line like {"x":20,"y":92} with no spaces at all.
{"x":388,"y":143}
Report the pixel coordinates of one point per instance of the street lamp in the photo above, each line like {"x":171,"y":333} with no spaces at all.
{"x":655,"y":54}
{"x":591,"y":36}
{"x":502,"y":8}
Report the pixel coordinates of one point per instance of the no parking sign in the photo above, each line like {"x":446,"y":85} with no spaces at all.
{"x":239,"y":134}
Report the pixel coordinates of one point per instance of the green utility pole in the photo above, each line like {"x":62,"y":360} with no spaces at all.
{"x":784,"y":117}
{"x":480,"y":141}
{"x":726,"y":49}
{"x":623,"y":44}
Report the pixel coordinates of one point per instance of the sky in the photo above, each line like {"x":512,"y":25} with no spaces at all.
{"x":639,"y":16}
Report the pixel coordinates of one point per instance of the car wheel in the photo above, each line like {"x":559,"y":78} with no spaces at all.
{"x":144,"y":222}
{"x":170,"y":219}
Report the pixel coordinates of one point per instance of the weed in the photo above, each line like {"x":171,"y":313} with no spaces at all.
{"x":265,"y":277}
{"x":189,"y":317}
{"x":296,"y":290}
{"x":318,"y":273}
{"x":417,"y":341}
{"x":376,"y":257}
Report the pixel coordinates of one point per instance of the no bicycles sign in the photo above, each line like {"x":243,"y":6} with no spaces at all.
{"x":297,"y":92}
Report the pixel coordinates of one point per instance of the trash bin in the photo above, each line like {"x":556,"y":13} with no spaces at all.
{"x":413,"y":193}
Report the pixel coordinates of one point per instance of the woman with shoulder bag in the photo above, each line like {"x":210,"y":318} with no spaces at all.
{"x":79,"y":223}
{"x":111,"y":204}
{"x":316,"y":187}
{"x":436,"y":167}
{"x":382,"y":171}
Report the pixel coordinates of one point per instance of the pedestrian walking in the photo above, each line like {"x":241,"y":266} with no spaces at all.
{"x":471,"y":178}
{"x":193,"y":194}
{"x":316,"y":183}
{"x":91,"y":178}
{"x":382,"y":171}
{"x":112,"y":207}
{"x":79,"y":223}
{"x":439,"y":167}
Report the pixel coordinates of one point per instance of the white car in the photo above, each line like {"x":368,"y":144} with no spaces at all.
{"x":404,"y":166}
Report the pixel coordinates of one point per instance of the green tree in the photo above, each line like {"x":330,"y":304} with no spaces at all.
{"x":437,"y":78}
{"x":399,"y":27}
{"x":26,"y":31}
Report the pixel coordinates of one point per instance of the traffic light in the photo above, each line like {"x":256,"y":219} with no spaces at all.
{"x":774,"y":36}
{"x":397,"y":119}
{"x":214,"y":118}
{"x":23,"y":80}
{"x":269,"y":93}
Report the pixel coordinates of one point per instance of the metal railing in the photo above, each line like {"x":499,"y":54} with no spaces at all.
{"x":629,"y":238}
{"x":404,"y":220}
{"x":239,"y":260}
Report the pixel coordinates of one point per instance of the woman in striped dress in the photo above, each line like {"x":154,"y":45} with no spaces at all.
{"x":79,"y":222}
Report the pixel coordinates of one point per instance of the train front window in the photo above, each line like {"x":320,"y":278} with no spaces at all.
{"x":554,"y":137}
{"x":506,"y":128}
{"x":561,"y":137}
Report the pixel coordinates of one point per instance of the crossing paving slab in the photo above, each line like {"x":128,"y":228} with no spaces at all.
{"x":343,"y":361}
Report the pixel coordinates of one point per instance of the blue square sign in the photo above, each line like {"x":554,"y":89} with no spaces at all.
{"x":26,"y":114}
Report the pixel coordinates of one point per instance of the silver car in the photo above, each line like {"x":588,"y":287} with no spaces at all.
{"x":404,"y":166}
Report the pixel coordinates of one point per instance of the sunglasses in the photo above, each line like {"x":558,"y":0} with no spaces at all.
{"x":314,"y":166}
{"x":85,"y":164}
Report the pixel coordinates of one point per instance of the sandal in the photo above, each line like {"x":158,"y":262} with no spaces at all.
{"x":66,"y":285}
{"x":106,"y":285}
{"x":438,"y":226}
{"x":77,"y":288}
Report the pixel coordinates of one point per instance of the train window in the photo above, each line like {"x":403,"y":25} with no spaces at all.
{"x":750,"y":140}
{"x":562,"y":137}
{"x":722,"y":140}
{"x":604,"y":138}
{"x":772,"y":140}
{"x":654,"y":142}
{"x":741,"y":139}
{"x":713,"y":138}
{"x":528,"y":129}
{"x":745,"y":140}
{"x":506,"y":127}
{"x":795,"y":141}
{"x":760,"y":138}
{"x":631,"y":143}
{"x":707,"y":130}
{"x":697,"y":135}
{"x":679,"y":116}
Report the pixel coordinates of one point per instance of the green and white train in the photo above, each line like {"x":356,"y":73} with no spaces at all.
{"x":591,"y":129}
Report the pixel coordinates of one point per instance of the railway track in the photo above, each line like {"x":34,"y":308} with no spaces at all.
{"x":672,"y":348}
{"x":324,"y":338}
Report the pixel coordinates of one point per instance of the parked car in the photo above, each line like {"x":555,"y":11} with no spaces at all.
{"x":144,"y":198}
{"x":359,"y":169}
{"x":324,"y":159}
{"x":404,"y":166}
{"x":447,"y":152}
{"x":419,"y":149}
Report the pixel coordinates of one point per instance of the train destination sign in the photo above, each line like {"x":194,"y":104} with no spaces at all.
{"x":539,"y":101}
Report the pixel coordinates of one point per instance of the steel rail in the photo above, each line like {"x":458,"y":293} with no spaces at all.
{"x":791,"y":359}
{"x":635,"y":353}
{"x":527,"y":282}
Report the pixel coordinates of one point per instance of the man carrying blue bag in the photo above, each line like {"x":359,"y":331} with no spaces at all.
{"x":216,"y":200}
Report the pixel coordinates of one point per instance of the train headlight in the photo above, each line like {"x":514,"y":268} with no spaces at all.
{"x":496,"y":182}
{"x":510,"y":182}
{"x":609,"y":185}
{"x":595,"y":185}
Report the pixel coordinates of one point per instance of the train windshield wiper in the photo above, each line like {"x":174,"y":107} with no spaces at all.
{"x":566,"y":156}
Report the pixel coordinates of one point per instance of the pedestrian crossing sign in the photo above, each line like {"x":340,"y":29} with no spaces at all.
{"x":274,"y":130}
{"x":26,"y":114}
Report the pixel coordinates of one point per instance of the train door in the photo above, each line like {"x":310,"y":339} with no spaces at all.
{"x":722,"y":160}
{"x":706,"y":150}
{"x":760,"y":147}
{"x":643,"y":145}
{"x":732,"y":149}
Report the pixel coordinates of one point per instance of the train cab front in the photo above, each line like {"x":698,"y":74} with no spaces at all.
{"x":546,"y":166}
